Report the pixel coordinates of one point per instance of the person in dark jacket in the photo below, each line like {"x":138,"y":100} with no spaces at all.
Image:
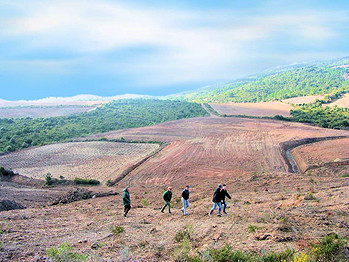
{"x":167,"y":196}
{"x":217,"y":199}
{"x":126,"y":200}
{"x":185,"y":200}
{"x":225,"y":194}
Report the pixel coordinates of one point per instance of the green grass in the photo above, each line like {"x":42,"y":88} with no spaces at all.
{"x":65,"y":253}
{"x":83,"y":181}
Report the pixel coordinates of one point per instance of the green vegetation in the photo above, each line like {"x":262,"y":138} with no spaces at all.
{"x":144,"y":202}
{"x":48,"y":179}
{"x":117,"y":230}
{"x":85,"y":181}
{"x":329,"y":117}
{"x":300,"y":81}
{"x":21,"y":133}
{"x":64,"y":253}
{"x":6,"y":172}
{"x":330,"y":248}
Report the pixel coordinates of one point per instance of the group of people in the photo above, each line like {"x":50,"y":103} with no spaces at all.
{"x":218,"y":200}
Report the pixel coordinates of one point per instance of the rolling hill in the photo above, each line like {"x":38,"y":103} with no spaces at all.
{"x":300,"y":80}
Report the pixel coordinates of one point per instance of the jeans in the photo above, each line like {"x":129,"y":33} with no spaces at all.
{"x":167,"y":204}
{"x":185,"y":206}
{"x":224,"y":207}
{"x":215,"y":204}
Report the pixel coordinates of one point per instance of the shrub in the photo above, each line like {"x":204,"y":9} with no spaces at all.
{"x":64,"y":253}
{"x":117,"y":230}
{"x":345,"y":175}
{"x":310,"y":196}
{"x":182,"y":251}
{"x":144,"y":202}
{"x":286,"y":255}
{"x":48,"y":179}
{"x":85,"y":181}
{"x":329,"y":248}
{"x":252,"y":228}
{"x":184,"y":234}
{"x":109,"y":183}
{"x":302,"y":257}
{"x":6,"y":172}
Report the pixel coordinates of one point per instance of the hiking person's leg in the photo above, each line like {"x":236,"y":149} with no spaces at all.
{"x":224,"y":207}
{"x":168,"y":203}
{"x":219,"y":208}
{"x":163,"y":208}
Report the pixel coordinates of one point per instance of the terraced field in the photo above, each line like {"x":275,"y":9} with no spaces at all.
{"x":331,"y":153}
{"x":96,"y":160}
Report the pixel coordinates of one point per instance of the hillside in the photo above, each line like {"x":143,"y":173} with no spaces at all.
{"x":26,"y":132}
{"x":314,"y":79}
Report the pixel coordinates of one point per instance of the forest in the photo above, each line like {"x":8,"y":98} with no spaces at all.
{"x":303,"y":81}
{"x":21,"y":133}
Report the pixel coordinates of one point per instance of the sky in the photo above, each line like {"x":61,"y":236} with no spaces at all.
{"x":106,"y":48}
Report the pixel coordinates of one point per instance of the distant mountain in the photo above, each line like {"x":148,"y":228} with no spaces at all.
{"x":73,"y":100}
{"x":318,"y":78}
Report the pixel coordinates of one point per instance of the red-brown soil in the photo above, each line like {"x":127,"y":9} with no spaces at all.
{"x":332,"y":152}
{"x":302,"y":99}
{"x":202,"y":152}
{"x":254,"y":109}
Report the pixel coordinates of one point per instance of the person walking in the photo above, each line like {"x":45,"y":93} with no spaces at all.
{"x":167,"y":196}
{"x":217,"y":199}
{"x":126,"y":200}
{"x":185,"y":200}
{"x":225,"y":194}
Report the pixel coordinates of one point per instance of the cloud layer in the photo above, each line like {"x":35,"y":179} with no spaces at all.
{"x":154,"y":46}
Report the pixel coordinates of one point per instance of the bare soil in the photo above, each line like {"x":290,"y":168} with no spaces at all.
{"x":302,"y":99}
{"x":202,"y":152}
{"x":254,"y":109}
{"x":342,"y":102}
{"x":96,"y":160}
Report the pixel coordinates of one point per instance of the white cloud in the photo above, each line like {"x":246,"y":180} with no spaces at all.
{"x":191,"y":45}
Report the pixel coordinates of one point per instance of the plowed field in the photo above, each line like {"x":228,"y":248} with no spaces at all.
{"x":254,"y":109}
{"x":95,"y":160}
{"x":342,"y":102}
{"x":302,"y":99}
{"x":321,"y":154}
{"x":204,"y":149}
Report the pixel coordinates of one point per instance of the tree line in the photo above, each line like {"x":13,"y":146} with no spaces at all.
{"x":21,"y":133}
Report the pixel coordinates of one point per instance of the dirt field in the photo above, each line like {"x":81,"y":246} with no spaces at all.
{"x":95,"y":160}
{"x":254,"y":109}
{"x":342,"y":102}
{"x":243,"y":153}
{"x":302,"y":99}
{"x":323,"y":154}
{"x":35,"y":112}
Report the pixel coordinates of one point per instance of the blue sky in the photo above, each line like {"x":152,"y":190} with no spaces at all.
{"x":105,"y":47}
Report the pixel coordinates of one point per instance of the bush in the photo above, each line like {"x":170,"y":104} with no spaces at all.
{"x":84,"y":181}
{"x":310,"y":196}
{"x":48,"y":179}
{"x":330,"y":248}
{"x":252,"y":228}
{"x":117,"y":230}
{"x":5,"y":172}
{"x":184,"y":234}
{"x":109,"y":183}
{"x":144,"y":202}
{"x":226,"y":253}
{"x":345,"y":175}
{"x":64,"y":253}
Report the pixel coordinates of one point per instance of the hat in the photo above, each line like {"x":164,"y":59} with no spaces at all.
{"x":187,"y":186}
{"x":220,"y":186}
{"x":169,"y":188}
{"x":224,"y":185}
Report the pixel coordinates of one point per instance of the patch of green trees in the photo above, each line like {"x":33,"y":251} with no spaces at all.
{"x":303,"y":81}
{"x":21,"y":133}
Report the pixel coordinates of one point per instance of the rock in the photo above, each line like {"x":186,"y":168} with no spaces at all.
{"x":7,"y":204}
{"x":263,"y":236}
{"x":218,"y":236}
{"x":153,"y":231}
{"x":283,"y":239}
{"x":95,"y":245}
